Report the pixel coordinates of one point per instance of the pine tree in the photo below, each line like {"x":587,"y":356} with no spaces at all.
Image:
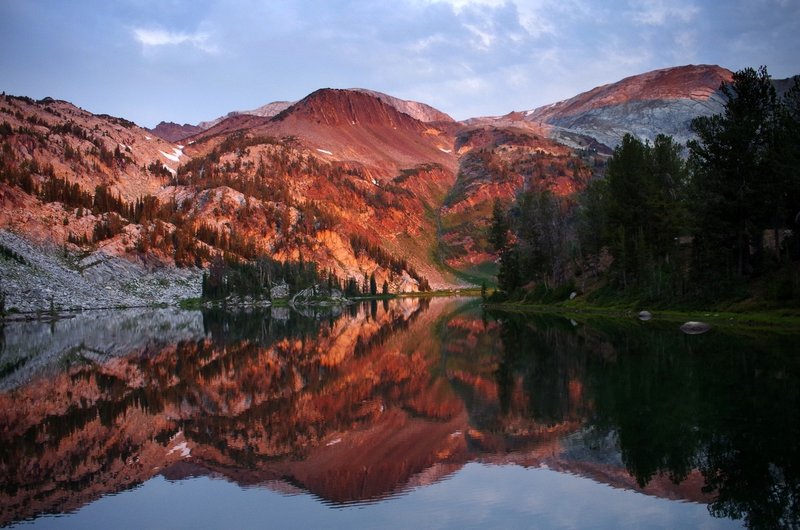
{"x":508,"y":277}
{"x":627,"y":205}
{"x":498,"y":231}
{"x":736,"y":178}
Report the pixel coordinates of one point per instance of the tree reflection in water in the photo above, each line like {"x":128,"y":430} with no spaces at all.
{"x":726,"y":404}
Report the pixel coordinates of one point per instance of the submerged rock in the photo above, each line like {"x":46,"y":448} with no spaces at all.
{"x":695,"y":328}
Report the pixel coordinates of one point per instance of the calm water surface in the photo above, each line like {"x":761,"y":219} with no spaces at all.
{"x":411,"y":413}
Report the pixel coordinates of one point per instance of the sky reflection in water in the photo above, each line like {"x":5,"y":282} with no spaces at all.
{"x":477,"y":496}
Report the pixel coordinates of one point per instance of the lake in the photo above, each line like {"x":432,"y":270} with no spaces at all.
{"x":407,"y":413}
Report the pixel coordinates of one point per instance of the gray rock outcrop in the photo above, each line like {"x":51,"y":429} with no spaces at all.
{"x":41,"y":278}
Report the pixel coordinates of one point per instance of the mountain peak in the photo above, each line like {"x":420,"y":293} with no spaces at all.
{"x":659,"y":101}
{"x":415,"y":109}
{"x":174,"y":132}
{"x":342,"y":107}
{"x":264,"y":111}
{"x":693,"y":82}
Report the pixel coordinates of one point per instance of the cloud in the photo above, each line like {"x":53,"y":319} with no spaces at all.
{"x":426,"y":43}
{"x":685,"y":43}
{"x":619,"y":52}
{"x":659,"y":12}
{"x":483,"y":40}
{"x":531,"y":13}
{"x":459,"y":5}
{"x":155,"y":37}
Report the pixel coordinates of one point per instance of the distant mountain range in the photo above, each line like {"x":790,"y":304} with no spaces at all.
{"x":357,"y":181}
{"x":661,"y":101}
{"x":173,"y":132}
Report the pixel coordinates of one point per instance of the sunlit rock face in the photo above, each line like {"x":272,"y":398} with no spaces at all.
{"x":336,"y":167}
{"x":645,"y":105}
{"x":499,"y":163}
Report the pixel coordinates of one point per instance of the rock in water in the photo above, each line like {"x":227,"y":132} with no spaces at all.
{"x":645,"y":315}
{"x":695,"y":328}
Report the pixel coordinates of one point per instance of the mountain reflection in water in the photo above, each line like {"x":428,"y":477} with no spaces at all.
{"x":394,"y":395}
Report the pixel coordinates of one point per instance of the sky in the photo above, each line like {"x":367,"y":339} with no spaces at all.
{"x":189,"y":61}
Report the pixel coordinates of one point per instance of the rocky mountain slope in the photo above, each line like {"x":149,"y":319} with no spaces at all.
{"x":173,"y":132}
{"x":341,"y":179}
{"x":41,"y":278}
{"x":658,"y":102}
{"x":359,"y":168}
{"x":496,"y":163}
{"x":359,"y":182}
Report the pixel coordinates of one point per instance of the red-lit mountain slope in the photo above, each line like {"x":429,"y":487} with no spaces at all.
{"x":360,"y":182}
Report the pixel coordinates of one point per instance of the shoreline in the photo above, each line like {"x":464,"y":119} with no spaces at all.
{"x":767,"y":319}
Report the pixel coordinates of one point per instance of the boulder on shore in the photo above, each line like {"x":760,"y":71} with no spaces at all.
{"x":695,"y":328}
{"x":317,"y":295}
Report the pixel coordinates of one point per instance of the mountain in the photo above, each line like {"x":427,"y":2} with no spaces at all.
{"x":359,"y":182}
{"x":175,"y":133}
{"x":340,"y":178}
{"x":357,"y":126}
{"x":658,"y":102}
{"x":496,"y":163}
{"x":64,"y":175}
{"x":265,"y":111}
{"x":373,"y":172}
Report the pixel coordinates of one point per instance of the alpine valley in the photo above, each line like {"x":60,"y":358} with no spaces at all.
{"x":96,"y":211}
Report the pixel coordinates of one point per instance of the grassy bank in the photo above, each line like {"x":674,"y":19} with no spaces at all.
{"x":774,"y":319}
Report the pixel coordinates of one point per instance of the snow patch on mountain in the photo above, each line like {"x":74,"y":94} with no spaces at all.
{"x":175,"y":156}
